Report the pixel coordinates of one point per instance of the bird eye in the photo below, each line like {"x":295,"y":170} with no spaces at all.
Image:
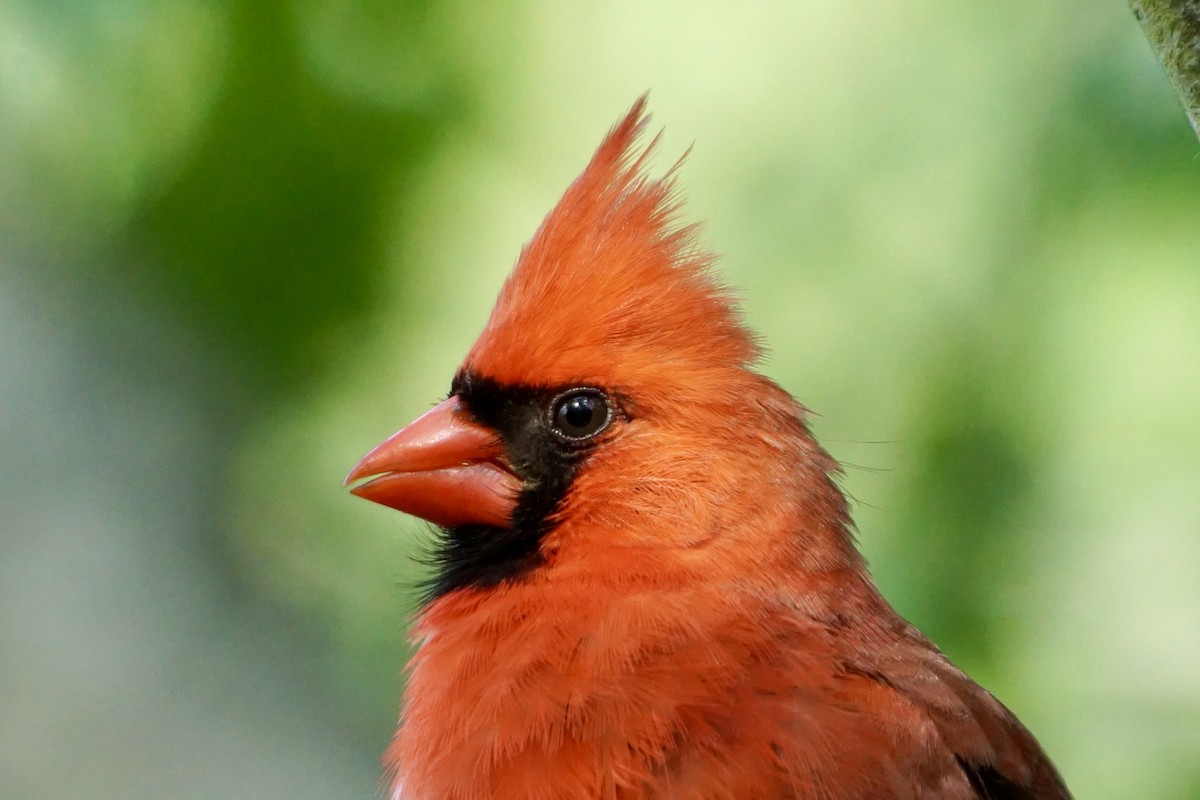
{"x":579,"y":414}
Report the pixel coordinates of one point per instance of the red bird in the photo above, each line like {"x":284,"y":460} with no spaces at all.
{"x":646,"y":582}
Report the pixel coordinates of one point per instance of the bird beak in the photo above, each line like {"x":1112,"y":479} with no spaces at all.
{"x":442,"y":467}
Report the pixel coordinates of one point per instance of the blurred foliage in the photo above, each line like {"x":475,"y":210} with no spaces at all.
{"x":967,"y":234}
{"x":271,"y":227}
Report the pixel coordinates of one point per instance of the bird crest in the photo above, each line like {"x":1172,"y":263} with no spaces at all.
{"x":611,"y":286}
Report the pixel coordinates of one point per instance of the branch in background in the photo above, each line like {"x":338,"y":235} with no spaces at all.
{"x":1173,"y":28}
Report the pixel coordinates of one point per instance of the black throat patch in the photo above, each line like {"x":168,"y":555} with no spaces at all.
{"x":482,"y":556}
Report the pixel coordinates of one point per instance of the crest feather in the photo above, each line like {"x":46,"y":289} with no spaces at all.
{"x":611,"y":287}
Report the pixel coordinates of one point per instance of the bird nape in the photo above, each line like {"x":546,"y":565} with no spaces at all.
{"x":645,"y":583}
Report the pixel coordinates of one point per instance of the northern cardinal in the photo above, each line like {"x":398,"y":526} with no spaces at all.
{"x":646,"y":584}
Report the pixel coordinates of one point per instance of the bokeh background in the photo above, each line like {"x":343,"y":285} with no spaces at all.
{"x":241,"y":241}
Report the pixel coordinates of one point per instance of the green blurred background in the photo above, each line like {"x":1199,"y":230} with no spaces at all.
{"x":242,"y":241}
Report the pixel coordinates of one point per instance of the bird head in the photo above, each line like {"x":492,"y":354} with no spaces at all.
{"x":610,"y":405}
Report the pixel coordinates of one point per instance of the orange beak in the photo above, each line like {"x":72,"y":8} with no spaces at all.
{"x":444,"y":468}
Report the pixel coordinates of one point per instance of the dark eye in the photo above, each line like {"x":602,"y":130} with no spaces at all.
{"x":579,"y":414}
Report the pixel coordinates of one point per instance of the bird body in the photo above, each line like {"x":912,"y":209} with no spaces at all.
{"x":646,"y":584}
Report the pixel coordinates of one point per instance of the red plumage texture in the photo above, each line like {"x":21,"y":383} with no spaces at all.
{"x":693,"y":620}
{"x":610,"y":287}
